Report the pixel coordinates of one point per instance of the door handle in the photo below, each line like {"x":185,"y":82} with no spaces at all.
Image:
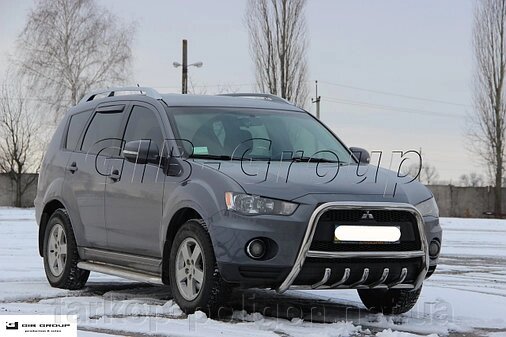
{"x":115,"y":175}
{"x":73,"y":167}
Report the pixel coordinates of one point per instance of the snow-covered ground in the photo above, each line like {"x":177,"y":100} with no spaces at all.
{"x":466,"y":295}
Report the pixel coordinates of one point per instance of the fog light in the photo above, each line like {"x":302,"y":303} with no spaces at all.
{"x":256,"y":249}
{"x":434,"y":249}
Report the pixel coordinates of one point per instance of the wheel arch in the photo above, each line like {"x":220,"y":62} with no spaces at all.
{"x":49,"y":209}
{"x":178,"y":219}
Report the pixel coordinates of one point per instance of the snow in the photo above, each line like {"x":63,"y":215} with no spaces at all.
{"x":497,"y":334}
{"x":466,"y":295}
{"x":93,"y":334}
{"x":390,"y":333}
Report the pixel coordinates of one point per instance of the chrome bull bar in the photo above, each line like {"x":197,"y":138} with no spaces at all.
{"x":363,"y":283}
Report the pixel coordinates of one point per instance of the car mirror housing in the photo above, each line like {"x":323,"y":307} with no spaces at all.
{"x":141,"y":152}
{"x":361,"y":154}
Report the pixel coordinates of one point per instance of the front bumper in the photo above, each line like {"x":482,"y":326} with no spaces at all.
{"x":230,"y":233}
{"x":297,"y":265}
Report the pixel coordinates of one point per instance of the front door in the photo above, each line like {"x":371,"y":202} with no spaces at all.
{"x":134,"y":194}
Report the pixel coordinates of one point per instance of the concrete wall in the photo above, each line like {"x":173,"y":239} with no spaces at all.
{"x":452,"y":201}
{"x":468,"y":202}
{"x":8,"y":192}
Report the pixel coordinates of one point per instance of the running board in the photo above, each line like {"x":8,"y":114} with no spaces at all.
{"x":120,"y":272}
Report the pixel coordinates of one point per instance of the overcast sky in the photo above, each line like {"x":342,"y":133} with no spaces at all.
{"x":371,"y":59}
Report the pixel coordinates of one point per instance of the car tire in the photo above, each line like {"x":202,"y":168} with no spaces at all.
{"x":391,"y":301}
{"x":60,"y":254}
{"x":195,"y":281}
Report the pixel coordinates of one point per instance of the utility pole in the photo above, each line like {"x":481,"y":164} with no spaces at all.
{"x":184,"y":83}
{"x":184,"y":66}
{"x":317,"y":101}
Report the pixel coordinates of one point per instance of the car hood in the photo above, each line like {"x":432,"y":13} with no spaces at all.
{"x":315,"y":183}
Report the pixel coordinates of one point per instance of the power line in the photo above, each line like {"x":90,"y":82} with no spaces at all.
{"x":224,"y":85}
{"x":331,"y":100}
{"x":24,"y":98}
{"x":389,"y":107}
{"x":396,"y":94}
{"x":209,"y":85}
{"x":335,"y":100}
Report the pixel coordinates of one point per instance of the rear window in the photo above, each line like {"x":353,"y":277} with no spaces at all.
{"x":76,"y":126}
{"x":102,"y":134}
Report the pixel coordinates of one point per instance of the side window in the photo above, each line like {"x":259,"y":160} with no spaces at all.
{"x":101,"y":135}
{"x":76,"y":126}
{"x":143,"y":124}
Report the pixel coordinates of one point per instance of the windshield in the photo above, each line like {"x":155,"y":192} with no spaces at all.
{"x":257,"y":134}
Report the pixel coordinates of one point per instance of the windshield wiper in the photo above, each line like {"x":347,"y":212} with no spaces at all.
{"x":318,"y":160}
{"x":211,"y":156}
{"x":313,"y":160}
{"x":296,"y":159}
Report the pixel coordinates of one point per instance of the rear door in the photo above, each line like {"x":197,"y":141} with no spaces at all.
{"x":86,"y":174}
{"x":134,"y":195}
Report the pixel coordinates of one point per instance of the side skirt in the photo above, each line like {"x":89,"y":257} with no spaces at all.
{"x":142,"y":264}
{"x":120,"y":272}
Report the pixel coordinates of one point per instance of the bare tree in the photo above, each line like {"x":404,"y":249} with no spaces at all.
{"x":196,"y":89}
{"x":427,"y":174}
{"x":277,"y":35}
{"x":201,"y":89}
{"x":70,"y":46}
{"x":488,"y":132}
{"x":472,"y":179}
{"x":19,"y":148}
{"x":227,"y":88}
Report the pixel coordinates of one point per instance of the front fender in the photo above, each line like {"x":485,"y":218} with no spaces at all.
{"x":204,"y":192}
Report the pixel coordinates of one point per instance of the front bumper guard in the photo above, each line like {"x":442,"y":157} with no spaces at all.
{"x":363,"y":283}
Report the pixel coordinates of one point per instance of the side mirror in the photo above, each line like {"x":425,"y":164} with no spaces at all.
{"x":361,"y":154}
{"x":141,"y":152}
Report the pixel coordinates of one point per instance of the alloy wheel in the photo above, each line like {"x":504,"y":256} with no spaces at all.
{"x":189,"y":269}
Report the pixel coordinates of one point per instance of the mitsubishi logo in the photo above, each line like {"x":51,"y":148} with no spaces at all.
{"x":367,"y":216}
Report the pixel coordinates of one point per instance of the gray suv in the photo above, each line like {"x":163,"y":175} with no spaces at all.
{"x":208,"y":193}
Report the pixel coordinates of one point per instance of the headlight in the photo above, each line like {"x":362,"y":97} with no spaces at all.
{"x":428,"y":208}
{"x":254,"y":205}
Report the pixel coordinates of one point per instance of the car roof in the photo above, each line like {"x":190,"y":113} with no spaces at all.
{"x":180,"y":100}
{"x":176,"y":100}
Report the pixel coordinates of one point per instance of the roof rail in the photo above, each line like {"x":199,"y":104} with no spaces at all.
{"x":268,"y":97}
{"x":110,"y":92}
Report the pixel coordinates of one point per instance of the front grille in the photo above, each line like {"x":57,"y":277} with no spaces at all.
{"x":342,"y":215}
{"x":356,"y":215}
{"x":323,"y":239}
